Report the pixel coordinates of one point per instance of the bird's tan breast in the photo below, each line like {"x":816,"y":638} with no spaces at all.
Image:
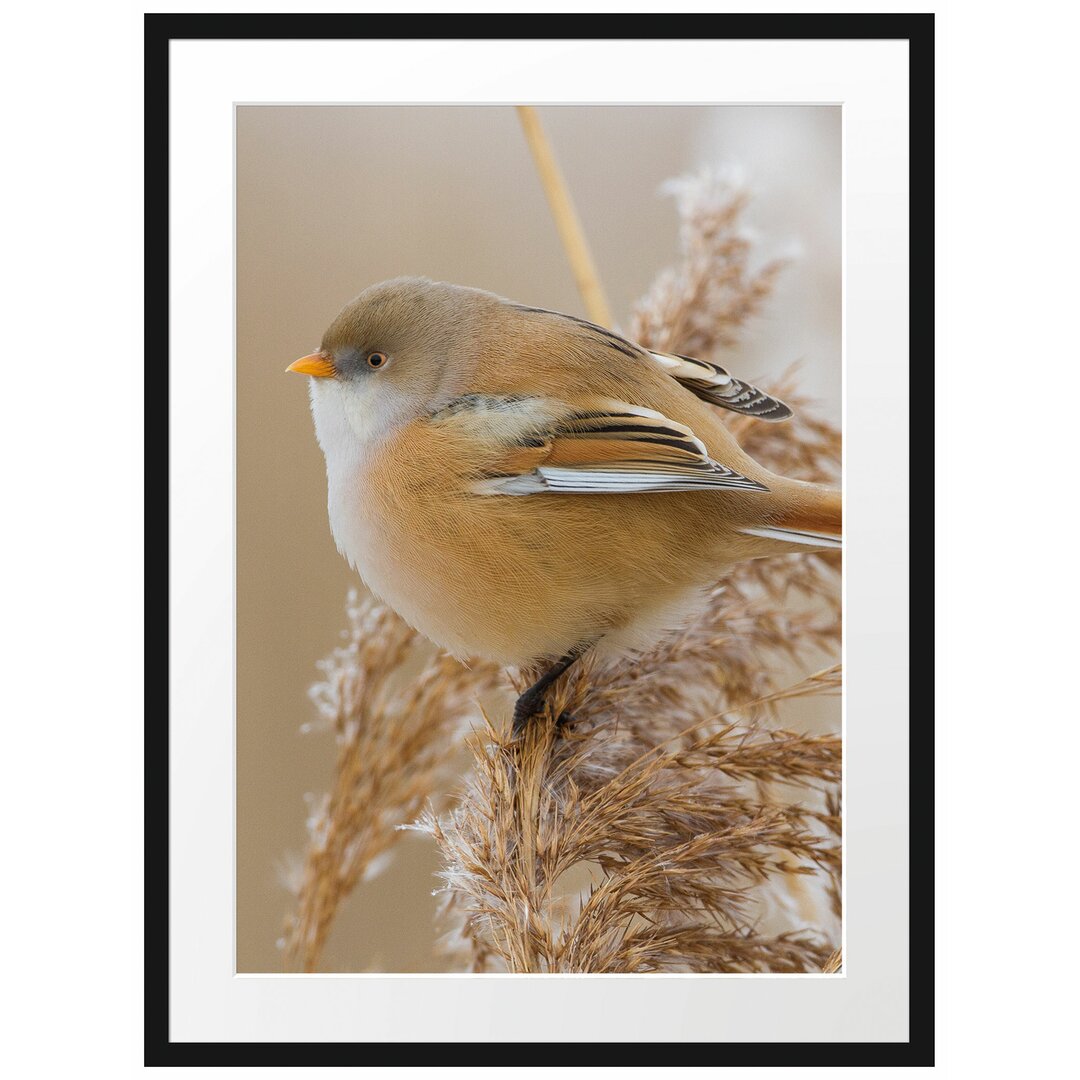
{"x":517,"y":578}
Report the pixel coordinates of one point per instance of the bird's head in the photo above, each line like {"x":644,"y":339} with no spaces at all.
{"x":391,"y":355}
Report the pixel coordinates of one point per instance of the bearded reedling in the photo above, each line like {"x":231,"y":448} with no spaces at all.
{"x":526,"y":486}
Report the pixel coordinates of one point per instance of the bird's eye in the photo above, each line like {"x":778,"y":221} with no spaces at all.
{"x":377,"y":359}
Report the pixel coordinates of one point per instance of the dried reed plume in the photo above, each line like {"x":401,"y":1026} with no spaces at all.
{"x":396,"y":707}
{"x":701,"y":304}
{"x":672,"y":825}
{"x":638,"y":840}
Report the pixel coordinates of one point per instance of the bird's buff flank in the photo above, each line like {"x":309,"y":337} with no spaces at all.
{"x":523,"y":485}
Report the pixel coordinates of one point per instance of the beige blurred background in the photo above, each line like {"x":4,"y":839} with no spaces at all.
{"x":332,"y":198}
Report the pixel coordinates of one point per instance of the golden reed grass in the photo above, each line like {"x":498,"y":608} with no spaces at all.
{"x":566,"y":218}
{"x":672,"y":825}
{"x":395,"y":706}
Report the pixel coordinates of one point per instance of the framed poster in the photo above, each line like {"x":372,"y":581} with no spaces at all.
{"x":689,"y":834}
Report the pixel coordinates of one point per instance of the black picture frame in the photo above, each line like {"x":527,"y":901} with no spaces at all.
{"x":159,"y":30}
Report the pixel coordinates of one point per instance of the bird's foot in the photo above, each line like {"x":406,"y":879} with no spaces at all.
{"x":531,"y":702}
{"x":524,"y":711}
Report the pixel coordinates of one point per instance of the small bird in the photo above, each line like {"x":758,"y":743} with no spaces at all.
{"x":526,"y":486}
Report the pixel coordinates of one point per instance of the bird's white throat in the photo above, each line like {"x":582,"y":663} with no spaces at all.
{"x":349,"y":421}
{"x":345,"y":414}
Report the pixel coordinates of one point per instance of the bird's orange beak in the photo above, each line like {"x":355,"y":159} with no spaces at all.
{"x":313,"y":364}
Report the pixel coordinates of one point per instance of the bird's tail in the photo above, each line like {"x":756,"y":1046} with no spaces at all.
{"x":808,"y":517}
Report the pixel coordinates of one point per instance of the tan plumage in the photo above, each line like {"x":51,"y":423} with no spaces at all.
{"x":519,"y":484}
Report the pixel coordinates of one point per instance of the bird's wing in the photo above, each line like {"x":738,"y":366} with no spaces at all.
{"x":712,"y":383}
{"x":708,"y":381}
{"x":599,"y":446}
